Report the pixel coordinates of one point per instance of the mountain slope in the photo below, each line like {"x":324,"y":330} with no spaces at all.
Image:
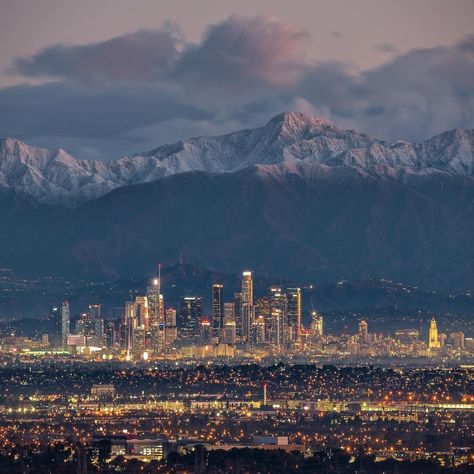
{"x":55,"y":177}
{"x":303,"y":221}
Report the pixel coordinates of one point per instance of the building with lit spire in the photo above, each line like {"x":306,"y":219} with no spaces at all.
{"x":433,"y":339}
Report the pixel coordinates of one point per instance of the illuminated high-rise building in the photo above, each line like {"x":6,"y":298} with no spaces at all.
{"x":316,"y":324}
{"x":258,"y":332}
{"x":156,"y":314}
{"x":217,"y":311}
{"x":94,"y":311}
{"x":110,"y":334}
{"x":277,"y":330}
{"x":85,"y":327}
{"x":130,"y":325}
{"x":99,"y":332}
{"x":262,"y":315}
{"x":278,"y":300}
{"x":458,"y":340}
{"x":190,"y":314}
{"x":262,"y":307}
{"x":171,"y":332}
{"x":143,"y":316}
{"x":363,"y":331}
{"x":238,"y":314}
{"x":407,"y":336}
{"x":54,"y":320}
{"x":433,"y":340}
{"x":205,"y":331}
{"x":293,"y":296}
{"x":65,"y":323}
{"x":141,"y":341}
{"x":278,"y":306}
{"x":247,"y":308}
{"x":247,"y":288}
{"x":136,"y":323}
{"x":229,"y":311}
{"x":229,"y":332}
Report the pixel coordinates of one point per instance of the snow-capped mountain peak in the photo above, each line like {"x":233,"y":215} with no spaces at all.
{"x":56,"y":177}
{"x":296,"y":124}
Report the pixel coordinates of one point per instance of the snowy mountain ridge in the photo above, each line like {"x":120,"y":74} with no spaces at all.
{"x":56,"y":177}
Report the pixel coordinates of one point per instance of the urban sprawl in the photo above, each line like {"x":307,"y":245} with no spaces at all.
{"x":245,"y":388}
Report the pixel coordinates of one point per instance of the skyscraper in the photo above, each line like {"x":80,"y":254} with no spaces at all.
{"x":143,"y":315}
{"x":141,"y":340}
{"x":229,"y":332}
{"x":247,"y":288}
{"x":190,"y":316}
{"x":217,"y":311}
{"x":277,"y":330}
{"x":433,"y":340}
{"x":55,"y":324}
{"x":262,"y":314}
{"x":363,"y":332}
{"x":278,"y":307}
{"x":65,"y":322}
{"x":316,"y":324}
{"x":458,"y":340}
{"x":229,"y":311}
{"x":85,"y":326}
{"x":278,"y":300}
{"x":238,"y":314}
{"x":136,"y":323}
{"x":205,"y":331}
{"x":258,"y":332}
{"x":156,"y":313}
{"x":110,"y":333}
{"x":130,"y":324}
{"x":293,"y":296}
{"x":94,"y":311}
{"x":247,"y":308}
{"x":171,"y":333}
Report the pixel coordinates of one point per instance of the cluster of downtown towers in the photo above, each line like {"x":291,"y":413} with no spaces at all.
{"x":275,"y":319}
{"x":148,"y":328}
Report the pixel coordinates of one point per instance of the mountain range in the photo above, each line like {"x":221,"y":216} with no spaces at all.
{"x":55,"y":177}
{"x":298,"y":197}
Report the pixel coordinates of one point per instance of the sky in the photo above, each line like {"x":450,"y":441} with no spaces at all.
{"x":107,"y":78}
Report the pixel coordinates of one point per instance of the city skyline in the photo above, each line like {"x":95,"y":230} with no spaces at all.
{"x":235,"y":327}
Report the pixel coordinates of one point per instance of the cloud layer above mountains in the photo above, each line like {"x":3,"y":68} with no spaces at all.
{"x":139,"y":90}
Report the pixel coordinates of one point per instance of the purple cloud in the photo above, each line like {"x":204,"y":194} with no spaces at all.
{"x":139,"y":56}
{"x":152,"y":87}
{"x":243,"y":52}
{"x":237,"y":53}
